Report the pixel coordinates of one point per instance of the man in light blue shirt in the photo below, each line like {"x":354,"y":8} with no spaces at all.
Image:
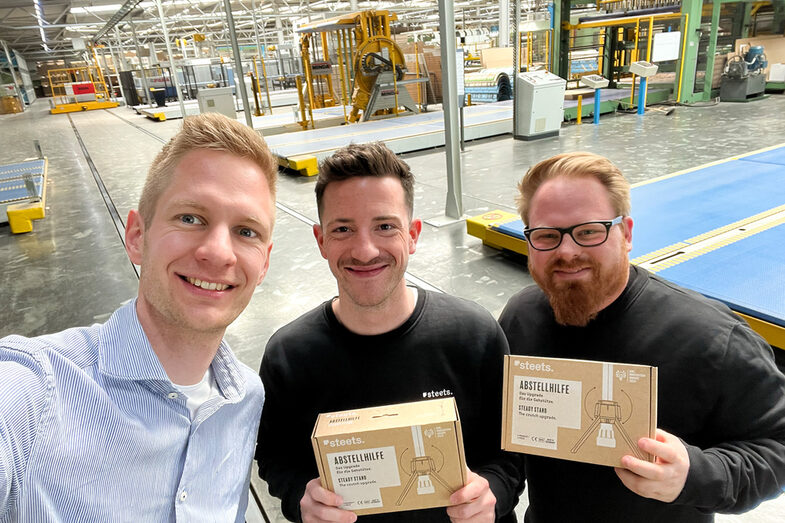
{"x":150,"y":417}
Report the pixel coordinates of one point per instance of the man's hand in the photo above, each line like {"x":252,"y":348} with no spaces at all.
{"x":662,"y":480}
{"x":319,"y":504}
{"x":474,"y":502}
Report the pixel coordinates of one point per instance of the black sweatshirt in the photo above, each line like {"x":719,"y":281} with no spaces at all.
{"x":719,"y":391}
{"x":448,"y":347}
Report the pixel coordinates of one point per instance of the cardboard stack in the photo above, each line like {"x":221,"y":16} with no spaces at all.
{"x":9,"y":105}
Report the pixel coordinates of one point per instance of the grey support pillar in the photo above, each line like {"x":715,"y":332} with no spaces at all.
{"x":175,"y":81}
{"x":141,"y":66}
{"x":238,"y":65}
{"x":454,"y":205}
{"x":261,"y":57}
{"x":504,"y":23}
{"x":120,"y":49}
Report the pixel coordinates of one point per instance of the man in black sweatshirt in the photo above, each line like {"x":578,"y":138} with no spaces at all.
{"x":720,"y":445}
{"x":380,"y":342}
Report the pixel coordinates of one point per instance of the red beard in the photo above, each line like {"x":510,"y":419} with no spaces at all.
{"x":576,"y":303}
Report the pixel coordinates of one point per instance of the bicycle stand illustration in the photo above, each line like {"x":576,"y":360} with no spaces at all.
{"x":607,"y":417}
{"x":422,"y":469}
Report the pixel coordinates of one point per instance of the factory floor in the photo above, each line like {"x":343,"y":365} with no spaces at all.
{"x":73,"y":270}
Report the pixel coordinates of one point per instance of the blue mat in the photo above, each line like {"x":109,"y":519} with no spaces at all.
{"x":17,"y":170}
{"x":676,"y":209}
{"x":747,"y":275}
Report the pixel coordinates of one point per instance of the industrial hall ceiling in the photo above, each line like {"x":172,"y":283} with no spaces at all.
{"x":44,"y":30}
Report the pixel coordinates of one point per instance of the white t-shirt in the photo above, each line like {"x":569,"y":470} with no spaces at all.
{"x":200,"y":392}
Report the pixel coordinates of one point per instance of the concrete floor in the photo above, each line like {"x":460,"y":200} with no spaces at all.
{"x":72,"y":269}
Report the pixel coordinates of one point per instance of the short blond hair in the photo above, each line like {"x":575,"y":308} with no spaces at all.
{"x":212,"y":131}
{"x":575,"y":165}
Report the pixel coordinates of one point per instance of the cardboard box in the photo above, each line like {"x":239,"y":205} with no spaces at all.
{"x":392,"y":458}
{"x":587,"y":411}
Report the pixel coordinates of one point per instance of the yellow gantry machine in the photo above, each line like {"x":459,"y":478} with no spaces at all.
{"x":371,"y":66}
{"x":79,"y":89}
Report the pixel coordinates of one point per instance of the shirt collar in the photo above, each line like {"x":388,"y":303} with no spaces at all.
{"x":125,"y":352}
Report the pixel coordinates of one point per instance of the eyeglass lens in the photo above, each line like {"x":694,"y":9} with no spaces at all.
{"x":586,"y":235}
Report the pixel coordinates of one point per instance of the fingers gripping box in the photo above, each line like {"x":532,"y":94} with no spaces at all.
{"x":588,"y":411}
{"x":397,"y":457}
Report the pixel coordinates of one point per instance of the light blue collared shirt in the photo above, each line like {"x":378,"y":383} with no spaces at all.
{"x":92,"y":429}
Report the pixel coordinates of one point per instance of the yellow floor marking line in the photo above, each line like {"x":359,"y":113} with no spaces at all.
{"x":710,"y":164}
{"x":713,"y":240}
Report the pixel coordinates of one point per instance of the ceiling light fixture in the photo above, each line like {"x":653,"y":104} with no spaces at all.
{"x":40,"y":19}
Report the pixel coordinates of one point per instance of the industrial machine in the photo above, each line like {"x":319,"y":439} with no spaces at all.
{"x":539,"y":105}
{"x":370,"y":66}
{"x":78,"y":89}
{"x":744,"y":78}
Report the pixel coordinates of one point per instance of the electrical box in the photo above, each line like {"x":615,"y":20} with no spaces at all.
{"x":539,"y":105}
{"x":594,"y":81}
{"x":644,"y":69}
{"x":217,"y":100}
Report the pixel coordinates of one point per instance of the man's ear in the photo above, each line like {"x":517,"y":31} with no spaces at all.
{"x":266,"y":264}
{"x":134,"y":236}
{"x":318,"y":233}
{"x":627,"y":227}
{"x":415,"y":228}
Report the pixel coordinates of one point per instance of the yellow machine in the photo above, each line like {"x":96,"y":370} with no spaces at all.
{"x":367,"y":56}
{"x":78,"y":89}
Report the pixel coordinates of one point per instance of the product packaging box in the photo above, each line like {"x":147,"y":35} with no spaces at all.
{"x":587,"y":411}
{"x":397,"y":457}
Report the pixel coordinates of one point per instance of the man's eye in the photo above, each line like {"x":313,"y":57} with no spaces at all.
{"x":547,"y":235}
{"x":585,"y":233}
{"x":387,"y":227}
{"x":190,"y":219}
{"x":341,"y":229}
{"x":248,"y":233}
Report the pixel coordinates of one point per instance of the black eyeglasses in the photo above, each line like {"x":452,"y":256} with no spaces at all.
{"x":589,"y":234}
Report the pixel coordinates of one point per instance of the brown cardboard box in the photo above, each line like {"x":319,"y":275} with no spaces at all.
{"x":10,"y":105}
{"x":392,"y":458}
{"x":587,"y":411}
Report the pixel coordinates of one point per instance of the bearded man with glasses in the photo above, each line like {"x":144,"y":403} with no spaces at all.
{"x":720,"y":445}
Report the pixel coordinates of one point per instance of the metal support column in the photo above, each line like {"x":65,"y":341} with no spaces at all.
{"x":260,"y":55}
{"x":516,"y":63}
{"x":692,"y":33}
{"x":561,"y":39}
{"x":238,"y":65}
{"x":454,"y":205}
{"x":504,"y":23}
{"x":120,"y":50}
{"x":147,"y":96}
{"x":778,"y":24}
{"x":746,"y":14}
{"x":172,"y":68}
{"x":715,"y":22}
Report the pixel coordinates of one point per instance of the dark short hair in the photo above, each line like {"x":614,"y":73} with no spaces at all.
{"x":364,"y":159}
